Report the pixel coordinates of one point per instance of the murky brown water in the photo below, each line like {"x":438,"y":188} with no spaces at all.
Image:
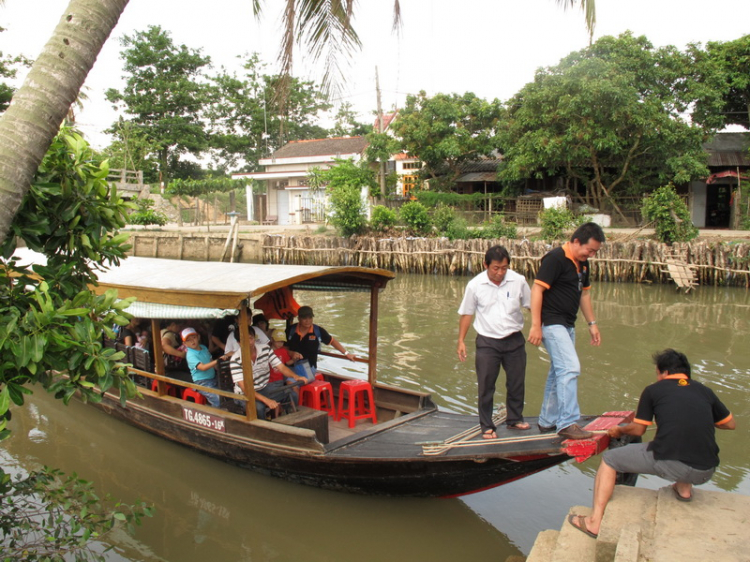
{"x":207,"y":510}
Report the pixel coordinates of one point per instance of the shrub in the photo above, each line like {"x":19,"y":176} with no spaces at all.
{"x":458,"y":229}
{"x":415,"y":216}
{"x":671,"y":215}
{"x":144,"y":214}
{"x":348,"y":213}
{"x":556,"y":222}
{"x":383,"y":218}
{"x":498,"y":228}
{"x":443,"y":216}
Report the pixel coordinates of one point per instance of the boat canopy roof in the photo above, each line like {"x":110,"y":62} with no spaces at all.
{"x":227,"y":286}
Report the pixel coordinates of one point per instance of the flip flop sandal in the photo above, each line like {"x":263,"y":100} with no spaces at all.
{"x":679,"y":497}
{"x":489,"y":434}
{"x":581,"y":525}
{"x":523,"y":426}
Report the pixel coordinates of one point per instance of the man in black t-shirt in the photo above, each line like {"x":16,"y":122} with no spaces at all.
{"x":560,"y":288}
{"x":684,"y":449}
{"x":305,"y":338}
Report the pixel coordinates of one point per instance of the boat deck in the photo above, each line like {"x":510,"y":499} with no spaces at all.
{"x":405,"y":437}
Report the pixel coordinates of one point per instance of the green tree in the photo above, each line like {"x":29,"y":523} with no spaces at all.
{"x":725,"y":68}
{"x":164,"y":96}
{"x":346,"y":123}
{"x":445,"y":130}
{"x":670,"y":215}
{"x":132,"y":149}
{"x":609,"y":117}
{"x":247,"y":121}
{"x":344,"y":183}
{"x":8,"y":68}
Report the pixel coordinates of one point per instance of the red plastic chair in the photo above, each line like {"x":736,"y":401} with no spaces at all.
{"x":193,"y":396}
{"x":360,"y":402}
{"x":319,"y":396}
{"x":171,"y":390}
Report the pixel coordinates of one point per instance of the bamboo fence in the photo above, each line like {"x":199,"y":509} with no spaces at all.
{"x":639,"y":261}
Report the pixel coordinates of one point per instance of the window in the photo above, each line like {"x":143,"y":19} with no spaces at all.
{"x":410,"y":183}
{"x":412,"y":166}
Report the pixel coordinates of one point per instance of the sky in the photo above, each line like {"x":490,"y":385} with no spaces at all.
{"x":489,"y":47}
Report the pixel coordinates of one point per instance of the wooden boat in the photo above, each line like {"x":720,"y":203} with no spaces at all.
{"x":413,"y":450}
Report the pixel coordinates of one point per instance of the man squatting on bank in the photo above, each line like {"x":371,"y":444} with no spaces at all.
{"x":494,"y":298}
{"x":684,"y":449}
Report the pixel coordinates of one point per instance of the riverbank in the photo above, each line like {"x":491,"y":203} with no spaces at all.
{"x":642,"y":525}
{"x":719,"y":258}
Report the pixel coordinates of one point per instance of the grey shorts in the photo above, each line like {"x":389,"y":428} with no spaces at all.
{"x":636,"y":458}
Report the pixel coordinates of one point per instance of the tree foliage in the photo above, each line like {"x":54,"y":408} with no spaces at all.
{"x":670,"y":215}
{"x":415,"y":216}
{"x":164,"y":96}
{"x":248,"y":122}
{"x":47,"y":515}
{"x":344,"y":183}
{"x":609,"y":117}
{"x":724,"y":66}
{"x":51,"y":327}
{"x":446,"y":130}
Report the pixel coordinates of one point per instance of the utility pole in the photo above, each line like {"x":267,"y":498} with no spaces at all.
{"x":380,"y":130}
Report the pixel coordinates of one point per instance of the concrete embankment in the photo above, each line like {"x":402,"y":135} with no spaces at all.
{"x":652,"y":526}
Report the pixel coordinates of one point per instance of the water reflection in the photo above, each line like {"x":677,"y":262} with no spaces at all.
{"x":210,"y":510}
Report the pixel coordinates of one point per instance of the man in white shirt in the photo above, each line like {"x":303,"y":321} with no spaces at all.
{"x":495,"y":298}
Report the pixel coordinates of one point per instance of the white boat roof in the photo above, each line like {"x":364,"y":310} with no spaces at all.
{"x":219,"y":284}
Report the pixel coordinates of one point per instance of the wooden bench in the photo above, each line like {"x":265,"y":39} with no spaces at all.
{"x":270,"y":219}
{"x":307,"y":418}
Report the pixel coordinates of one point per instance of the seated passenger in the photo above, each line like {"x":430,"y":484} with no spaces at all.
{"x":260,"y":325}
{"x":128,"y":334}
{"x":278,"y":339}
{"x":202,"y":366}
{"x":174,"y":351}
{"x":306,"y":337}
{"x":268,"y":395}
{"x":221,"y":331}
{"x":144,"y":340}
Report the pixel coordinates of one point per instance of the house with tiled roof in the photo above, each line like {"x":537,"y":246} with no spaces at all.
{"x":714,"y":201}
{"x":289,"y":198}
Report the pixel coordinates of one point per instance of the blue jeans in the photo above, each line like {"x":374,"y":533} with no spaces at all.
{"x":213,"y":399}
{"x":560,"y":404}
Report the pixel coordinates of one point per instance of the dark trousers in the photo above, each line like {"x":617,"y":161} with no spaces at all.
{"x":510,"y":354}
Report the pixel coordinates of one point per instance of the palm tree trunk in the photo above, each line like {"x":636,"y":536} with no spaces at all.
{"x":40,"y":105}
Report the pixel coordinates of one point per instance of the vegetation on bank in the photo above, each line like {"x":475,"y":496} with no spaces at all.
{"x":51,"y":328}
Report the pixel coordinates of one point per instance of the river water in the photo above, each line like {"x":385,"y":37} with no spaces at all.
{"x":208,"y":510}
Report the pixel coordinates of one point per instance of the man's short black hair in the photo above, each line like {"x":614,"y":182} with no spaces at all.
{"x":258,"y":318}
{"x":671,"y":361}
{"x":496,"y":253}
{"x":586,"y":232}
{"x":305,"y":312}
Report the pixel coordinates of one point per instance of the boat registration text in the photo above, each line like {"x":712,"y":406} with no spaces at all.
{"x":203,"y":419}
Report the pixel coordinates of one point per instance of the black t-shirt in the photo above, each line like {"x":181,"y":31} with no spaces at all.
{"x":564,"y":279}
{"x":307,"y":345}
{"x":685,"y":413}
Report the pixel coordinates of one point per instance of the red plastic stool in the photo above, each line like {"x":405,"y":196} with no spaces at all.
{"x":193,"y":396}
{"x":319,"y":377}
{"x":171,"y":390}
{"x":356,"y":409}
{"x":318,"y":395}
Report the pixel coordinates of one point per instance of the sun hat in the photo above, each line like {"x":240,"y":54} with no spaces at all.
{"x":278,"y":335}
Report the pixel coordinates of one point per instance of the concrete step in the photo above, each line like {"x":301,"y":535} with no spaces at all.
{"x":629,"y":545}
{"x":572,"y":544}
{"x":629,"y":508}
{"x":714,"y":526}
{"x":544,"y":546}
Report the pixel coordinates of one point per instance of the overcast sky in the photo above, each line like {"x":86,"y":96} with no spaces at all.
{"x":489,"y":47}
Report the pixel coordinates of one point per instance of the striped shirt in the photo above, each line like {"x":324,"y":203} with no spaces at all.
{"x":264,"y":362}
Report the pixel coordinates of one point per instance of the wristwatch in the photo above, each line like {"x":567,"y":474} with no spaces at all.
{"x":592,"y":322}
